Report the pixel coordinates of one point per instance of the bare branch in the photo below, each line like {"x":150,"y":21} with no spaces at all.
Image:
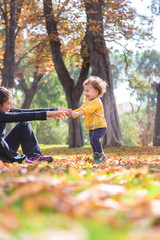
{"x":16,"y":32}
{"x":3,"y":13}
{"x":26,"y":53}
{"x":22,"y":80}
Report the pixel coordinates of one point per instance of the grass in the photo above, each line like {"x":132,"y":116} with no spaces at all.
{"x":128,"y":215}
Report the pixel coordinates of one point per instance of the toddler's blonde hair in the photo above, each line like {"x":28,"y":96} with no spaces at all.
{"x":97,"y":83}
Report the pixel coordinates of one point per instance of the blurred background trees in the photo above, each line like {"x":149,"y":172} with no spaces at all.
{"x":48,"y":48}
{"x":142,"y":75}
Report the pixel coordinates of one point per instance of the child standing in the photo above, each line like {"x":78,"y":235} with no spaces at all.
{"x":92,"y":109}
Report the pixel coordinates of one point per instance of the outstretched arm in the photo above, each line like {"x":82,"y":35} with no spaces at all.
{"x":61,"y":113}
{"x":77,"y":114}
{"x":31,"y":116}
{"x":32,"y":110}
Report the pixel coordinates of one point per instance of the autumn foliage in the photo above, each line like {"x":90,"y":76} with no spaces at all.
{"x":127,"y":185}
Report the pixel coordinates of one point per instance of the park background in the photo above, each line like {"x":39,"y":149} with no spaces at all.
{"x":48,"y":48}
{"x":135,"y":96}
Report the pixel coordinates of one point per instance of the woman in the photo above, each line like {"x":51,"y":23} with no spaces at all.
{"x":22,"y":134}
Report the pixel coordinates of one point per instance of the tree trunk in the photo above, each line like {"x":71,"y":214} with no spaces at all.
{"x":75,"y":138}
{"x":156,"y":138}
{"x":100,"y":63}
{"x":73,"y":92}
{"x":11,"y":21}
{"x":147,"y":135}
{"x":8,"y":125}
{"x":29,"y":92}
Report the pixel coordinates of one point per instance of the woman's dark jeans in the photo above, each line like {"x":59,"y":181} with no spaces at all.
{"x":22,"y":134}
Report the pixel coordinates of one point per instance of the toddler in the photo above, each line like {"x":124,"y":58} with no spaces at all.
{"x":92,"y":109}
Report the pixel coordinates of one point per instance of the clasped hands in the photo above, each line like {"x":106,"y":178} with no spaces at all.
{"x":62,"y":113}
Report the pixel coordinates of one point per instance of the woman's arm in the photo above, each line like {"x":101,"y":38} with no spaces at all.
{"x":21,"y":117}
{"x":31,"y":116}
{"x":33,"y":110}
{"x":18,"y":110}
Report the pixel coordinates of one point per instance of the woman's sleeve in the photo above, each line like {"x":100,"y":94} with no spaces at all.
{"x":22,"y":117}
{"x":33,"y":110}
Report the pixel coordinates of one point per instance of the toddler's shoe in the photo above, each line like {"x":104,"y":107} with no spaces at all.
{"x":95,"y":156}
{"x":100,"y":158}
{"x":41,"y":158}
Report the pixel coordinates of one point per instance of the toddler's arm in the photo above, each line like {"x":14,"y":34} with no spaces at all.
{"x":77,"y":114}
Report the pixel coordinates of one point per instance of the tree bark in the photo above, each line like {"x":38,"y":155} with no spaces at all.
{"x":100,"y":63}
{"x":11,"y":21}
{"x":72,"y":91}
{"x":156,"y":138}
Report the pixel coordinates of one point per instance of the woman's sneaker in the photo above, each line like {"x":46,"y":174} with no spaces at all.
{"x":41,"y":158}
{"x":29,"y":161}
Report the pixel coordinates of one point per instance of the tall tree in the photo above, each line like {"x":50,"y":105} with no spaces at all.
{"x":144,"y":74}
{"x":100,"y":63}
{"x":33,"y":59}
{"x":10,"y":13}
{"x":22,"y":48}
{"x":73,"y":91}
{"x":150,"y":66}
{"x":156,"y":138}
{"x":93,"y":51}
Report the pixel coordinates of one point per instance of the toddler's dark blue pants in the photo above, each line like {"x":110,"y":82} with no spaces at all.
{"x":95,"y":136}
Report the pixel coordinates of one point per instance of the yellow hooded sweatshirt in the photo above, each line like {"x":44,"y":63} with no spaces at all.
{"x":94,"y":114}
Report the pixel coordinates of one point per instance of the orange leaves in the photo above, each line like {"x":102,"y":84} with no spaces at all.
{"x":37,"y":202}
{"x":74,"y":172}
{"x":8,"y":219}
{"x":73,"y":185}
{"x":24,"y":190}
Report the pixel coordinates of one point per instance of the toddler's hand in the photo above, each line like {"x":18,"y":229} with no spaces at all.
{"x":74,"y":114}
{"x":67,"y":111}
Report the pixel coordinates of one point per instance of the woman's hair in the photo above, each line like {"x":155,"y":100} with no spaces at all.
{"x":97,"y":83}
{"x":4,"y":95}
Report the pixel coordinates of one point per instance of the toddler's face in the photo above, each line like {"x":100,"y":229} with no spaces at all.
{"x":90,"y":92}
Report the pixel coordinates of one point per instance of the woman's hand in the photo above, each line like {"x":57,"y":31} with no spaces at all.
{"x":59,"y":114}
{"x":66,"y":111}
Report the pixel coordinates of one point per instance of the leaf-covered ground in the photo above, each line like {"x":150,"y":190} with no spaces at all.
{"x":73,"y":198}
